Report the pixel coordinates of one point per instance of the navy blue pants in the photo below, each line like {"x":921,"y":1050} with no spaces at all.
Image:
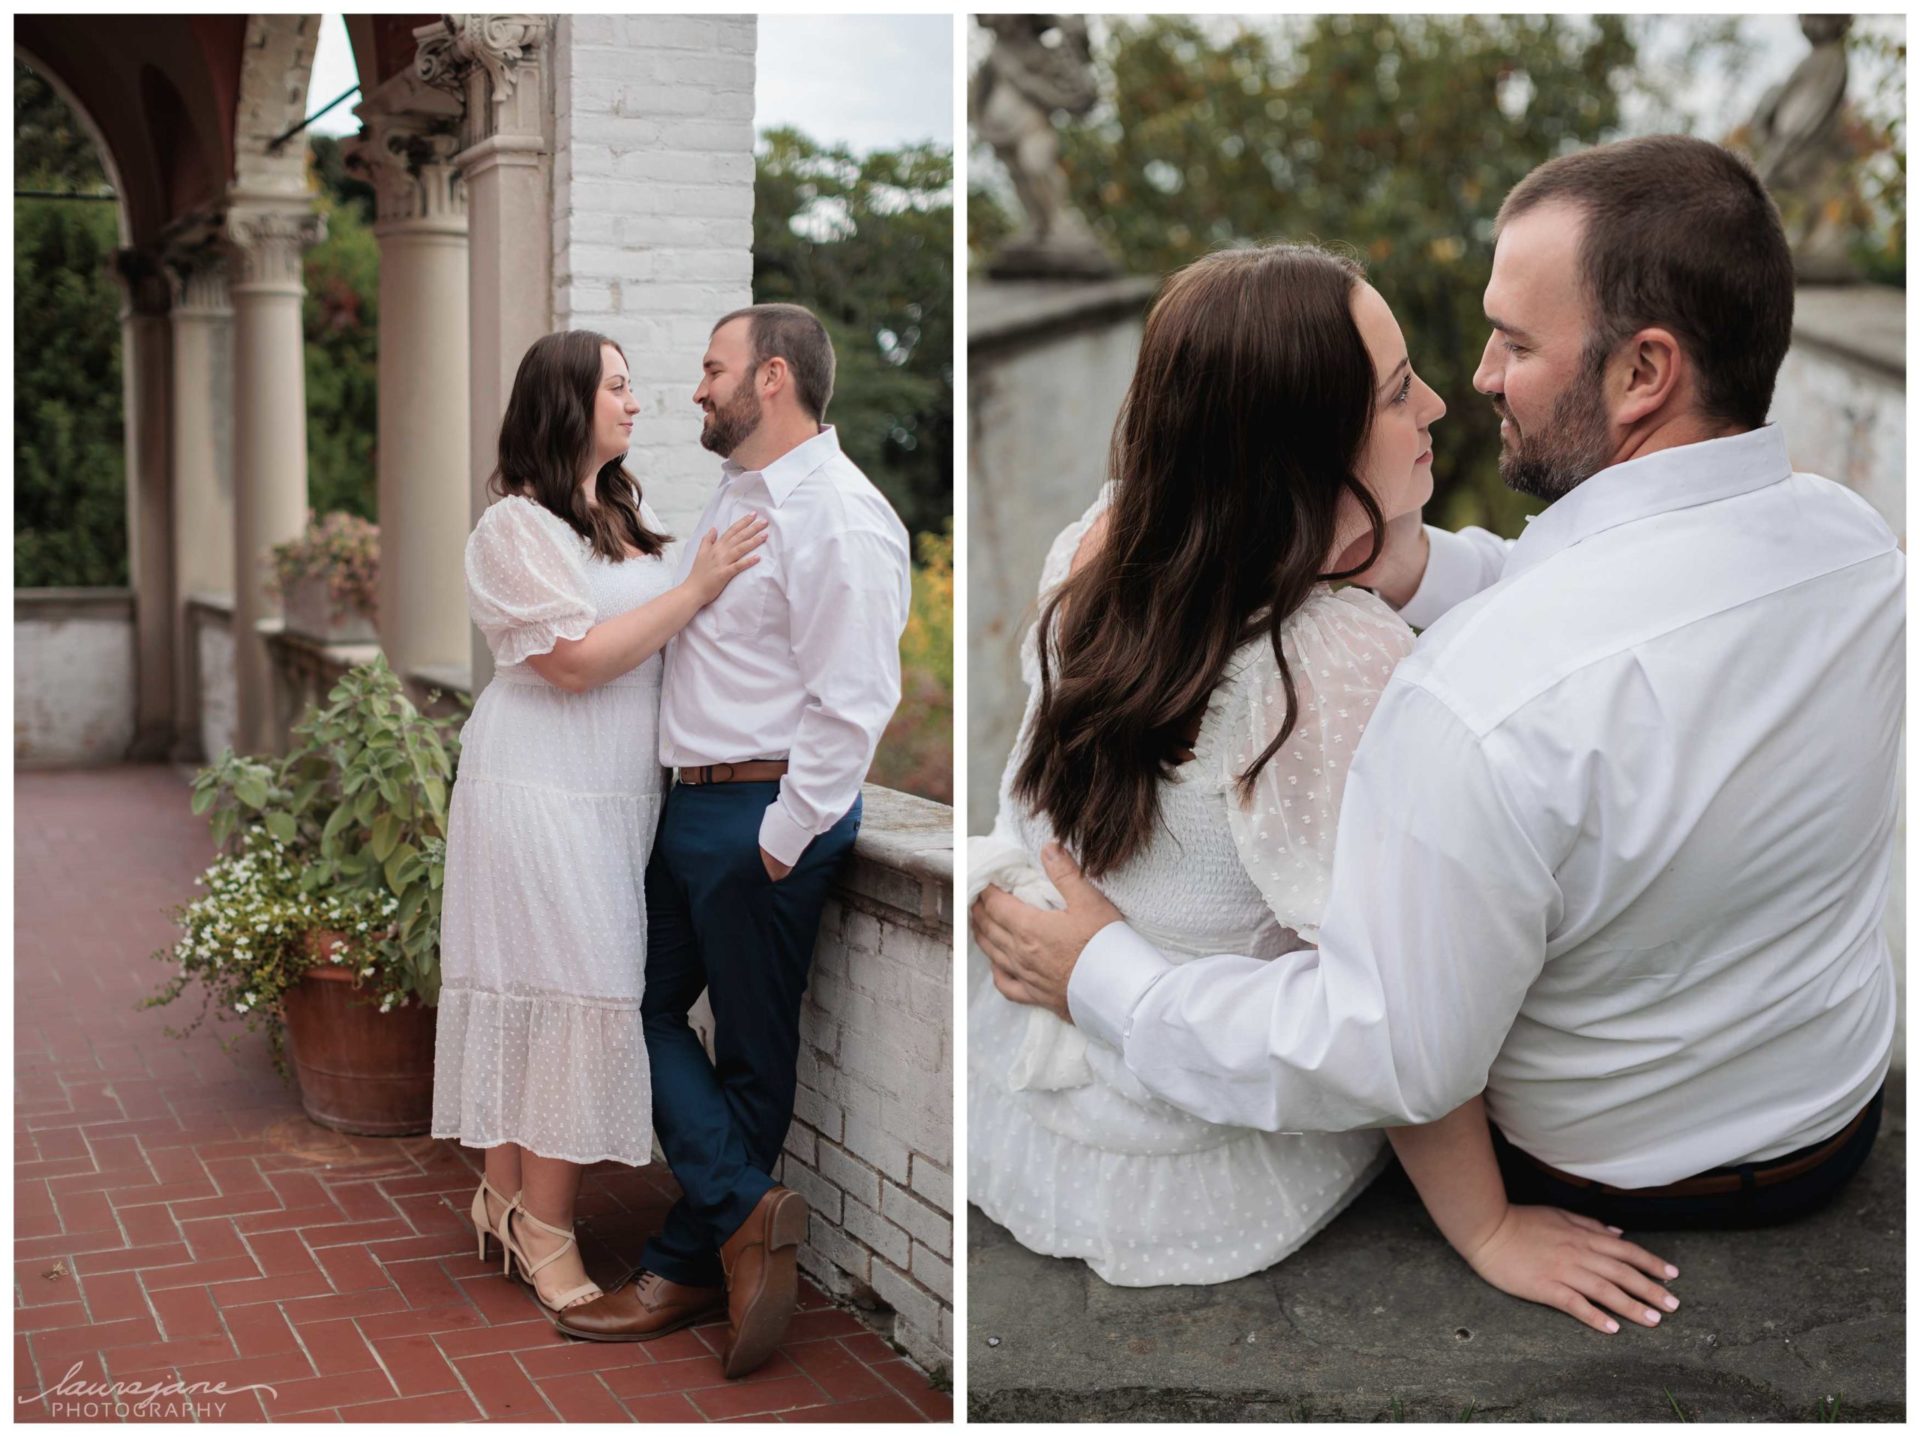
{"x":715,"y":921}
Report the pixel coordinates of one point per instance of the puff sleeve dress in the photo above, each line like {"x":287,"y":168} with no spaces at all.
{"x":551,"y":821}
{"x":1066,"y":1149}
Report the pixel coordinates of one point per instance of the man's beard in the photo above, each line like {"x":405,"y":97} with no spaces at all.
{"x":1570,"y":447}
{"x":732,"y":423}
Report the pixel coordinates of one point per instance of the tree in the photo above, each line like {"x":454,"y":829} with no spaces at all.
{"x":69,"y":465}
{"x":341,"y":320}
{"x":866,"y":243}
{"x":1394,"y":137}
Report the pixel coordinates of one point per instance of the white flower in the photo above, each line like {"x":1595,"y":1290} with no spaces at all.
{"x":239,"y":1007}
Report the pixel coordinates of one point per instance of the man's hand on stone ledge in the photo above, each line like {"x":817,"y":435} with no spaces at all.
{"x":1033,"y":951}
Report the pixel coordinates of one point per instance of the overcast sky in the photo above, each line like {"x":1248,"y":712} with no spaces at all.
{"x":866,"y":81}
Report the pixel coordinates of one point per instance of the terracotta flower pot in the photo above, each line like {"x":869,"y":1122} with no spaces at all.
{"x":360,"y":1070}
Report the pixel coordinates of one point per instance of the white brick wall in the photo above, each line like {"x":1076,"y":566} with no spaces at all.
{"x":871,"y":1146}
{"x":653,"y":215}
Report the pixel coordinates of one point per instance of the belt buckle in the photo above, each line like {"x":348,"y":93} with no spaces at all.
{"x":726,"y":778}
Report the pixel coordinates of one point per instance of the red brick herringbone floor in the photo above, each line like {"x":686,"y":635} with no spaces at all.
{"x":176,"y":1217}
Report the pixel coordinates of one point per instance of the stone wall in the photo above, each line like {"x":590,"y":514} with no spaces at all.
{"x":210,"y":626}
{"x":1048,"y":364}
{"x":653,"y":215}
{"x":73,"y":677}
{"x":1842,"y":394}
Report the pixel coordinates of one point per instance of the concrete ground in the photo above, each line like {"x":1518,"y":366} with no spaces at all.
{"x":1377,"y":1319}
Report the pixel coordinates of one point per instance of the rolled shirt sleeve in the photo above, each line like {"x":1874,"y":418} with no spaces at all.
{"x":1435,"y":928}
{"x":850,"y":595}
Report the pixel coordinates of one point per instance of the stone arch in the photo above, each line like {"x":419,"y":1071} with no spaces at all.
{"x":276,"y":66}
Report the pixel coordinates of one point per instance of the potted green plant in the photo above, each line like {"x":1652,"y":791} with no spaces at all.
{"x":321,"y":917}
{"x":327,"y":579}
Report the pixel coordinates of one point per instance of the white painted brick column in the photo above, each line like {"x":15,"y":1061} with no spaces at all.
{"x":653,"y":215}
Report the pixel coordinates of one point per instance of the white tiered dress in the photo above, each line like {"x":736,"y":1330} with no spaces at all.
{"x":1085,"y":1162}
{"x":543,"y":933}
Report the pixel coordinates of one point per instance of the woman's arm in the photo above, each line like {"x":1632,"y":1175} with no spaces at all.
{"x":1541,"y":1254}
{"x":623,"y":643}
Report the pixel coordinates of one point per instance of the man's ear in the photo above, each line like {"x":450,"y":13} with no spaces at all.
{"x":776,"y":376}
{"x":1656,"y":372}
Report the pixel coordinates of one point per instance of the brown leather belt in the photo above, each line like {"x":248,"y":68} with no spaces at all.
{"x":759,"y":770}
{"x":1721,"y":1180}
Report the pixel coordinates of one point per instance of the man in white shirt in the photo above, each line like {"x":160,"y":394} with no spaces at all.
{"x":1616,"y":845}
{"x":775,"y":697}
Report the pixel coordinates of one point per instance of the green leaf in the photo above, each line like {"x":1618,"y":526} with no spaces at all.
{"x":396,"y":865}
{"x":202,"y":799}
{"x":252,"y":792}
{"x":281,"y":826}
{"x":386,"y":833}
{"x":367,"y":806}
{"x":336,"y":823}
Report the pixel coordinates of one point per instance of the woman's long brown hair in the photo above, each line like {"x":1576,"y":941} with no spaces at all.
{"x":547,"y":434}
{"x":1249,"y":408}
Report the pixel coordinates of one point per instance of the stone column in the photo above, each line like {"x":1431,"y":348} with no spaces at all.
{"x":146,"y":359}
{"x":269,"y":233}
{"x":497,"y":65}
{"x":203,"y":531}
{"x":406,"y":150}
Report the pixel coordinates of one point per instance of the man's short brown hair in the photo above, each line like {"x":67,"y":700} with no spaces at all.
{"x":1680,"y":235}
{"x":793,"y":333}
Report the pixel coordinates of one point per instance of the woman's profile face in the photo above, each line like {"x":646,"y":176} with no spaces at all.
{"x":1397,"y":463}
{"x":613,"y":409}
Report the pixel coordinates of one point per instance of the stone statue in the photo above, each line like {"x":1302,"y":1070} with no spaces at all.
{"x":1798,"y":142}
{"x":1038,"y":64}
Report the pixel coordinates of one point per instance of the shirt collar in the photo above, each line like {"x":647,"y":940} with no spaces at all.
{"x":1660,"y":483}
{"x":783,"y":476}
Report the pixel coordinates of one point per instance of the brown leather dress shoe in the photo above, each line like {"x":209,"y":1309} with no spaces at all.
{"x":762,"y":1283}
{"x":649,"y":1306}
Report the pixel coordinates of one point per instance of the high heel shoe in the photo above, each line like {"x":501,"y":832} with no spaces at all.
{"x":483,"y":1228}
{"x":530,"y":1269}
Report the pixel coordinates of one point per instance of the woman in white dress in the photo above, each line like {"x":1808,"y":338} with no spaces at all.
{"x":539,"y":1057}
{"x":1196,"y":690}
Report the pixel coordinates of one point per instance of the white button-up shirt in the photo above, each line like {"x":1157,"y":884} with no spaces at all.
{"x":799,"y":657}
{"x":1616,"y":846}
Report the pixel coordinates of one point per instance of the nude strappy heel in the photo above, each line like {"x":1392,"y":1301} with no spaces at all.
{"x":529,"y":1270}
{"x":483,"y":1229}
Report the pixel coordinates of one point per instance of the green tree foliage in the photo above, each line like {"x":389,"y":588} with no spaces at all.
{"x":341,"y":318}
{"x":866,"y":243}
{"x":1394,"y":137}
{"x":69,"y":467}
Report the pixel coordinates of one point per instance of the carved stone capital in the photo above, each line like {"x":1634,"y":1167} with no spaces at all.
{"x":268,"y":241}
{"x":496,"y":62}
{"x":199,"y":282}
{"x":408,"y":159}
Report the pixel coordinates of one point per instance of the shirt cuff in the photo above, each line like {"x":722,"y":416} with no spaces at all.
{"x":781,"y":836}
{"x":1114,"y":972}
{"x":1453,"y":574}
